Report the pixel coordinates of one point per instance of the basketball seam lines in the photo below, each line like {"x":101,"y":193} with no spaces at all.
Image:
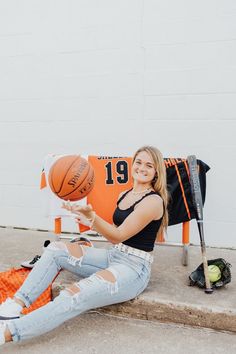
{"x":63,"y":196}
{"x":78,"y":157}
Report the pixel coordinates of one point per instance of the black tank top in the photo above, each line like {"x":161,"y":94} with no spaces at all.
{"x":144,"y":239}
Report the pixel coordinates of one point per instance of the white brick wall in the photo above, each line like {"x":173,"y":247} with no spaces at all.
{"x":107,"y":76}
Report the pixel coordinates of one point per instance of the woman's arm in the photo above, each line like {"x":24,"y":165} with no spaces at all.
{"x":151,"y":208}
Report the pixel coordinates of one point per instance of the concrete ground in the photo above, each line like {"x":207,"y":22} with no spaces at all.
{"x":94,"y":333}
{"x":168,"y":297}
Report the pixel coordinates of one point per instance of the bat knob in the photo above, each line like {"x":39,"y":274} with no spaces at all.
{"x":208,"y":290}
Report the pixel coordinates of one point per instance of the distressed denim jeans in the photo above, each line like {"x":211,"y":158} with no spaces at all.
{"x":131,"y":275}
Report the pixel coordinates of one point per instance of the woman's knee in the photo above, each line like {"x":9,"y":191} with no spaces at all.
{"x":57,"y":246}
{"x":74,"y":249}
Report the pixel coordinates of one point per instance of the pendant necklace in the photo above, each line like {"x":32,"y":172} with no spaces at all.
{"x":145,"y":190}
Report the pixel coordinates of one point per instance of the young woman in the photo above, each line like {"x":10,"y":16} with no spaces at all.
{"x":110,"y":276}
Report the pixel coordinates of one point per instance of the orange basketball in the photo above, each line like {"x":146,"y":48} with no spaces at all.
{"x":71,"y":177}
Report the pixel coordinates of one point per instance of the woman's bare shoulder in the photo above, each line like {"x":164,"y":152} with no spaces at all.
{"x":156,"y":197}
{"x":152,"y":204}
{"x":153,"y":199}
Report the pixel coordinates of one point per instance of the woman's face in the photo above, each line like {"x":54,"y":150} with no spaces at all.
{"x":143,"y":170}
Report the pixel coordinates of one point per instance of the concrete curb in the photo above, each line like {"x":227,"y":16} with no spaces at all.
{"x":166,"y":311}
{"x":185,"y":314}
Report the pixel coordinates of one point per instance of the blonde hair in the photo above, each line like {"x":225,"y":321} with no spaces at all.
{"x":159,"y":182}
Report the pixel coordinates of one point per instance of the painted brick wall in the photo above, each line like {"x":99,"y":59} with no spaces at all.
{"x":104,"y":77}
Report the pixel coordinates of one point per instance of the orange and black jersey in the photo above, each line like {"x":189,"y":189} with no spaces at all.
{"x":113,"y":175}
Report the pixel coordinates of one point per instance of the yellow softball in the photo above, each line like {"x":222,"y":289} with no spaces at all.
{"x":214,"y":273}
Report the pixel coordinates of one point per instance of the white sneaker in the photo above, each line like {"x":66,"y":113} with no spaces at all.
{"x":2,"y":332}
{"x":31,"y":263}
{"x":10,"y":310}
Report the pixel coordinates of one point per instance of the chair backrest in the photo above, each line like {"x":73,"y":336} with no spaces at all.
{"x":113,"y":175}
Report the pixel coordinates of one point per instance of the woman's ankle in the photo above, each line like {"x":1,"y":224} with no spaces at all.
{"x":19,"y":301}
{"x":8,"y":336}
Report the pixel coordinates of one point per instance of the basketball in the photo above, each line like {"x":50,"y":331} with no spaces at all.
{"x":71,"y":177}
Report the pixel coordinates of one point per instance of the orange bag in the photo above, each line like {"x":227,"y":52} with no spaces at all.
{"x":12,"y":279}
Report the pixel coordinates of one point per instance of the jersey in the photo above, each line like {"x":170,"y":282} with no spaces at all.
{"x":144,"y":240}
{"x":113,"y":175}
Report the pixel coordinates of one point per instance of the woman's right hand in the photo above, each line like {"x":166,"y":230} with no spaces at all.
{"x":84,"y":213}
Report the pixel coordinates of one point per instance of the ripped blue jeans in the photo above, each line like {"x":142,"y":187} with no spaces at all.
{"x":131,"y":275}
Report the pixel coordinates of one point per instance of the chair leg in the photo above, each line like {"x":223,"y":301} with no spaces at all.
{"x":185,"y":242}
{"x":57,"y":226}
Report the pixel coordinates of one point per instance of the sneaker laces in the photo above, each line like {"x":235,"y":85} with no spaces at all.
{"x":35,"y":259}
